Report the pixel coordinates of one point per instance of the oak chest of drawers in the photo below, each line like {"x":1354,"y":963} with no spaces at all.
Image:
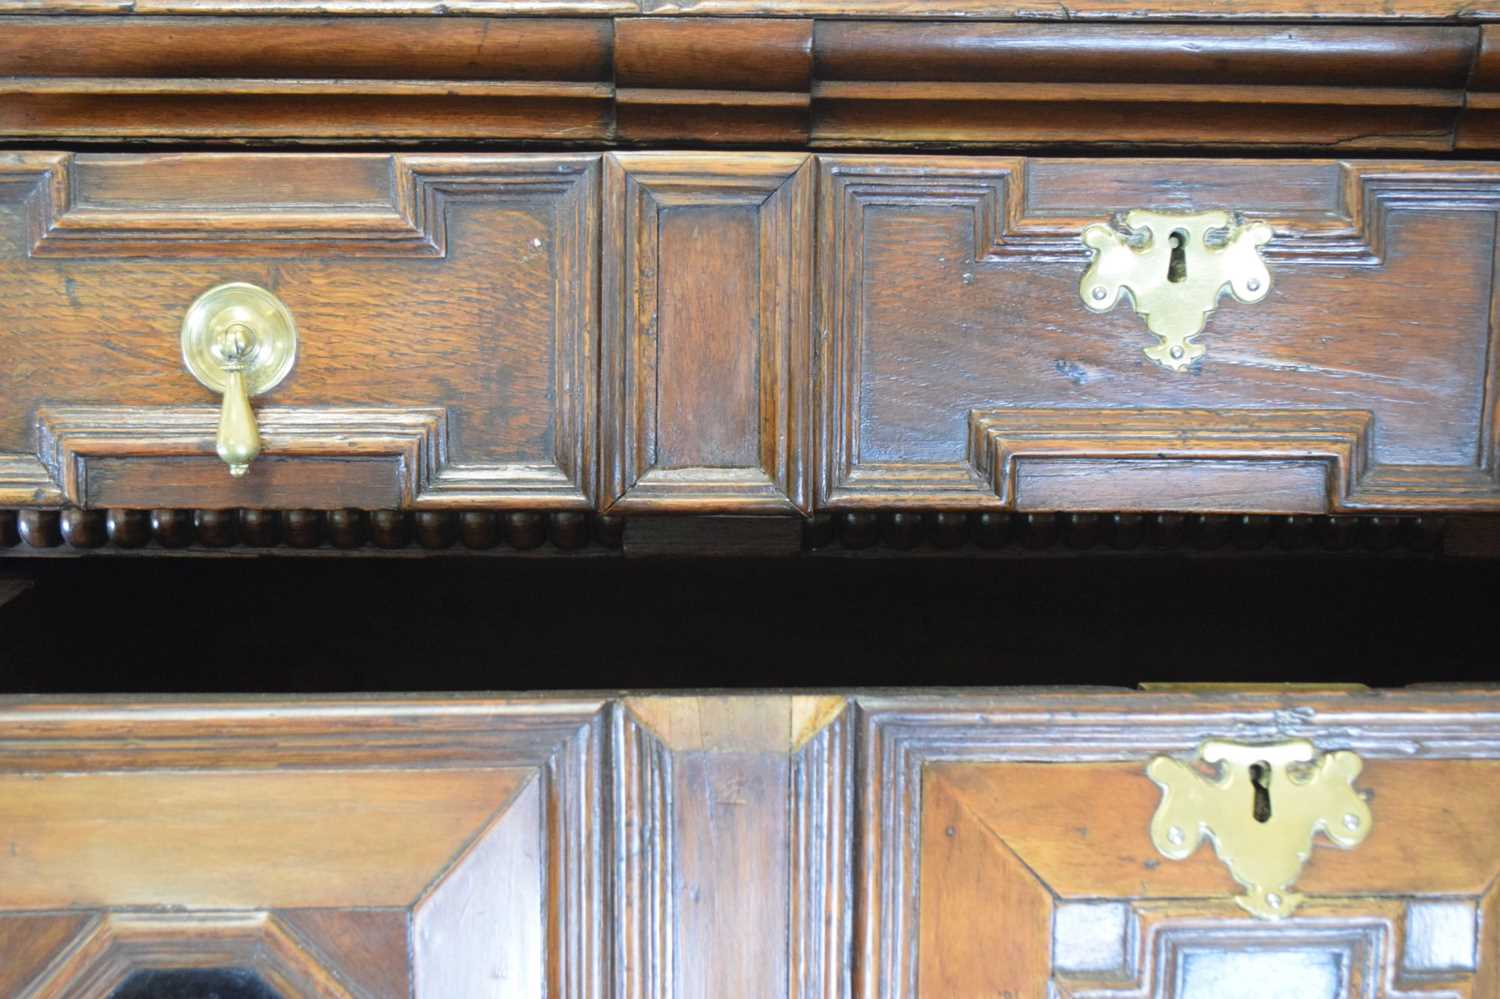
{"x":592,"y":279}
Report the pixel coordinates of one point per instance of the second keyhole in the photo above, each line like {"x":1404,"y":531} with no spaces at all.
{"x":1177,"y":264}
{"x":1260,"y":779}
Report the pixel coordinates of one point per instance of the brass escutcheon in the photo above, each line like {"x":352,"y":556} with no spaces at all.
{"x":238,"y":340}
{"x":1262,"y":810}
{"x":1174,"y":267}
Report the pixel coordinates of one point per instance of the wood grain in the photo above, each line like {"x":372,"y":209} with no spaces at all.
{"x":734,"y":882}
{"x":737,"y":827}
{"x":255,"y":837}
{"x":367,"y":79}
{"x":339,"y":848}
{"x":387,"y":246}
{"x":713,"y":80}
{"x":967,"y":871}
{"x":957,"y":279}
{"x":1050,"y":833}
{"x":707,"y":354}
{"x":370,"y":947}
{"x":1225,"y":85}
{"x":1106,"y":10}
{"x":773,"y":80}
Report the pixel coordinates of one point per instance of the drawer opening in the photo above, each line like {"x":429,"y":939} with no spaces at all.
{"x":297,"y":624}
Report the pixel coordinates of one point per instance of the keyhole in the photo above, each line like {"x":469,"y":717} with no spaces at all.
{"x":1177,"y":265}
{"x":1260,"y":778}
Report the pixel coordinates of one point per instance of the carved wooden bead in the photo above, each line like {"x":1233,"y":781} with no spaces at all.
{"x":82,"y":528}
{"x":302,"y":528}
{"x":217,"y":528}
{"x":1167,"y":530}
{"x":260,"y":528}
{"x":817,"y":532}
{"x":436,"y":528}
{"x":479,"y":529}
{"x":859,"y":529}
{"x":390,"y":528}
{"x":172,"y":528}
{"x":609,"y":530}
{"x":525,"y":530}
{"x":40,"y":528}
{"x":1340,"y":532}
{"x":1252,"y":531}
{"x":1129,"y":530}
{"x":345,"y":528}
{"x":10,"y":535}
{"x":1212,"y":530}
{"x":901,"y":530}
{"x":992,"y":529}
{"x":1294,"y":532}
{"x":128,"y":528}
{"x":569,"y":529}
{"x":1039,"y":530}
{"x":1425,"y":533}
{"x":1083,"y":530}
{"x":948,"y":529}
{"x":1380,"y":532}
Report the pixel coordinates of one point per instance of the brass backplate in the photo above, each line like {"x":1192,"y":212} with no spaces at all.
{"x":1262,"y":808}
{"x":1174,"y":267}
{"x":272,"y":348}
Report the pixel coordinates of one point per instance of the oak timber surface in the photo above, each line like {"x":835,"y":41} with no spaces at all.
{"x":454,"y":348}
{"x":805,"y":846}
{"x":1362,"y":10}
{"x":386,"y":264}
{"x":963,"y":368}
{"x":763,"y":81}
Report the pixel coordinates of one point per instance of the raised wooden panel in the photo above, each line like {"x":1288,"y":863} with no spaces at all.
{"x":1006,"y":851}
{"x":961,"y":369}
{"x":733,"y":824}
{"x":445,"y":304}
{"x":708,"y":350}
{"x":392,"y":849}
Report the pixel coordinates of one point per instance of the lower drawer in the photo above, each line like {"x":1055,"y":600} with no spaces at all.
{"x":815,"y":845}
{"x":754,"y":333}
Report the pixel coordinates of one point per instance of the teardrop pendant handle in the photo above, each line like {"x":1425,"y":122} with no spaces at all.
{"x":239,"y":438}
{"x":239,"y":340}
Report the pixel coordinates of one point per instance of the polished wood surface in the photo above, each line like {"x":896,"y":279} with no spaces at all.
{"x":761,"y":81}
{"x":707,"y":342}
{"x":386,"y":262}
{"x":954,"y":368}
{"x":1383,"y":11}
{"x":957,"y":279}
{"x":892,"y":844}
{"x":630,"y":280}
{"x":442,"y":848}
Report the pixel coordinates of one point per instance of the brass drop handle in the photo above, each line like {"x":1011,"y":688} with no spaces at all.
{"x":239,"y":438}
{"x":238,"y":340}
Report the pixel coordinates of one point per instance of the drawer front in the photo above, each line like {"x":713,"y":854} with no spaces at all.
{"x":807,"y":846}
{"x":378,"y":850}
{"x":756,"y":333}
{"x":963,"y":368}
{"x":445,"y":308}
{"x":1009,"y":851}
